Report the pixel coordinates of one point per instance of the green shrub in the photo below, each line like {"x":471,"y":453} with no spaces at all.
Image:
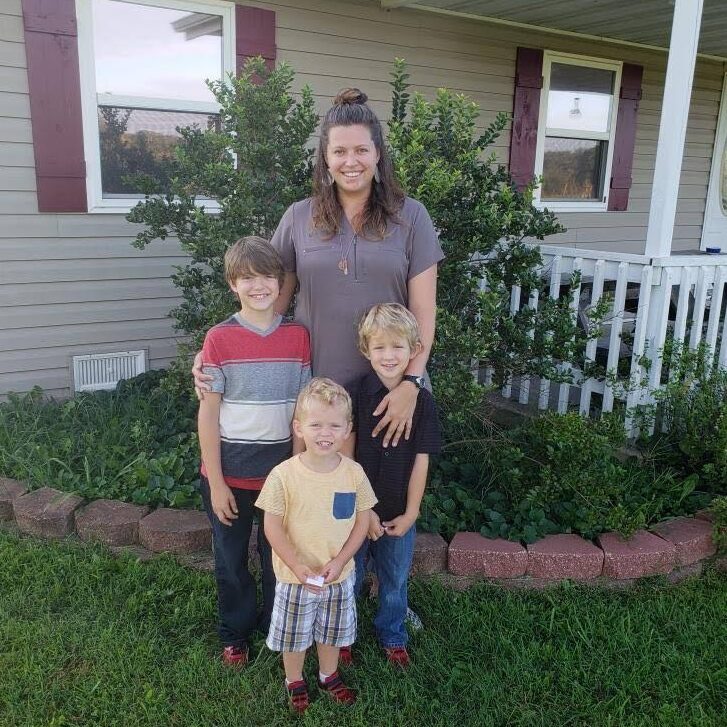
{"x":254,"y":164}
{"x":135,"y":444}
{"x":694,"y":411}
{"x":555,"y":474}
{"x":718,"y":508}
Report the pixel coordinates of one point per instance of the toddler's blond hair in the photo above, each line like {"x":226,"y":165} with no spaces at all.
{"x":326,"y":391}
{"x":388,"y":318}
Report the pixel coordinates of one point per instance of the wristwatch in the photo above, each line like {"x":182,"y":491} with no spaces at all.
{"x":418,"y":381}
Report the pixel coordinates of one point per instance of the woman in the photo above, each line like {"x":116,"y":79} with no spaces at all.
{"x":356,"y":242}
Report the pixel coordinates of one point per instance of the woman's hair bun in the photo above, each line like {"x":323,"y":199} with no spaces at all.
{"x":350,"y":96}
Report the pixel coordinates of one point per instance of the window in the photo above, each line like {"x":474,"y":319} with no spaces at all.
{"x":576,"y":132}
{"x":714,"y":230}
{"x":143,"y":69}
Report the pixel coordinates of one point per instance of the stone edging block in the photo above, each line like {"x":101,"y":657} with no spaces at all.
{"x":644,"y":554}
{"x":110,"y":522}
{"x":472,"y":555}
{"x":691,"y":537}
{"x":175,"y":531}
{"x":430,"y":554}
{"x":10,"y":490}
{"x":564,"y":556}
{"x":46,"y":512}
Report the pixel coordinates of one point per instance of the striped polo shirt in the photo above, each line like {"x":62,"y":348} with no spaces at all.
{"x":259,"y":374}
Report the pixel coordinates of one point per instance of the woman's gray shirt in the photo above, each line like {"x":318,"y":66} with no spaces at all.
{"x":330,"y":302}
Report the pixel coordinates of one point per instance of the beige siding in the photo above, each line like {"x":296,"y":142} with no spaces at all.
{"x":72,"y":284}
{"x":69,"y":284}
{"x":333,"y":44}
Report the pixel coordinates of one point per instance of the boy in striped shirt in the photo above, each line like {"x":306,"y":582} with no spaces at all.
{"x":258,"y":364}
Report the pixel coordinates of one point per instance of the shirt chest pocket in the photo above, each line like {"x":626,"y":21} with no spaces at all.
{"x":344,"y":504}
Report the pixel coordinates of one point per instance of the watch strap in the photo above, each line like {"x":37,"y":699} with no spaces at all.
{"x":418,"y":381}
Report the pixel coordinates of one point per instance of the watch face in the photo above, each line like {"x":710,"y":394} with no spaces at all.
{"x":418,"y":380}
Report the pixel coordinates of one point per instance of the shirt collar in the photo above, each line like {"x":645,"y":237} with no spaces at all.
{"x":372,"y":384}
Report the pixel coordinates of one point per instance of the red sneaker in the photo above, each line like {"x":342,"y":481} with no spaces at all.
{"x":345,"y":656}
{"x":235,"y":656}
{"x":337,"y":690}
{"x":397,"y":656}
{"x":297,"y":696}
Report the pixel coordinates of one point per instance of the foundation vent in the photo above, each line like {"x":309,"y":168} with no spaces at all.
{"x":104,"y":370}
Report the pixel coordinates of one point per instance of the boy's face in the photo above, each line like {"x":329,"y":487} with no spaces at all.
{"x":390,"y":354}
{"x":323,"y":427}
{"x":256,"y":292}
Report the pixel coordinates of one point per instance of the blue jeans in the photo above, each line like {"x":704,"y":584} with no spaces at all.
{"x":236,"y":589}
{"x":392,"y":559}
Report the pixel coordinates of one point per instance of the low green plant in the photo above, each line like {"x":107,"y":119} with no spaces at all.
{"x":136,"y":444}
{"x":718,"y":508}
{"x":694,"y":409}
{"x":555,"y":474}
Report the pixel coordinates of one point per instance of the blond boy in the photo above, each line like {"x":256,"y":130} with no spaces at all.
{"x":317,"y":513}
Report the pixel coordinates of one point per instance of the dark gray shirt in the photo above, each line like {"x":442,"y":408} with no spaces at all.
{"x":330,"y":302}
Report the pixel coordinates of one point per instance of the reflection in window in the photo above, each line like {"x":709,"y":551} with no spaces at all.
{"x":573,"y":168}
{"x":578,"y":131}
{"x":137,"y":146}
{"x":151,"y":64}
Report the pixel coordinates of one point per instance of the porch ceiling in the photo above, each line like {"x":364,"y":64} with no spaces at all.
{"x":646,"y":22}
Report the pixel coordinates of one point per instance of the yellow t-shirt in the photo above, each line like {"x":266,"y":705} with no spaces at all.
{"x":318,"y":510}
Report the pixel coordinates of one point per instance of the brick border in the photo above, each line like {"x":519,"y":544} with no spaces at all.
{"x":676,"y":548}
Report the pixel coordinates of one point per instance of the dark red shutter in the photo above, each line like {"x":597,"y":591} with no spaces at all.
{"x":255,"y":35}
{"x":51,"y":44}
{"x":623,"y":147}
{"x":526,"y":108}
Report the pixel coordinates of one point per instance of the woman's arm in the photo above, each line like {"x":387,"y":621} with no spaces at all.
{"x":398,"y":405}
{"x":287,"y":289}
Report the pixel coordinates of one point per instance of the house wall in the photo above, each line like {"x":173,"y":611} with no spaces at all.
{"x":72,"y":283}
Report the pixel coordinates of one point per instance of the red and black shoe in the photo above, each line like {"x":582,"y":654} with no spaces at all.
{"x":298,"y":696}
{"x":345,"y":656}
{"x":397,"y":656}
{"x":235,"y":656}
{"x":334,"y":687}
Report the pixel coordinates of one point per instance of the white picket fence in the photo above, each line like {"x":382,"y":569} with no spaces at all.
{"x":681,"y":295}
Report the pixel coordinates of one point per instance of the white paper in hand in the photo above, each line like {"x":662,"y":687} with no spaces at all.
{"x":315,"y":580}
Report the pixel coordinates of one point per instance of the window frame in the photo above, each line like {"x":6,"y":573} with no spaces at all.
{"x":91,"y":100}
{"x":550,"y":57}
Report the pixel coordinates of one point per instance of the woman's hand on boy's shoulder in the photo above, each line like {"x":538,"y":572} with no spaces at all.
{"x":201,"y":380}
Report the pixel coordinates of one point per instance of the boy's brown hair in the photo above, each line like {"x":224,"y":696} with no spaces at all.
{"x":253,"y":255}
{"x":326,"y":391}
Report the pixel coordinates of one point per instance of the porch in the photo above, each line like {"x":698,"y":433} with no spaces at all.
{"x":658,"y":292}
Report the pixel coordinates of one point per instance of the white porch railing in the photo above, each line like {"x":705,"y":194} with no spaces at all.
{"x":682,"y":294}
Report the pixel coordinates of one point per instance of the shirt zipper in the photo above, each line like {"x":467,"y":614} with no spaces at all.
{"x":355,"y":258}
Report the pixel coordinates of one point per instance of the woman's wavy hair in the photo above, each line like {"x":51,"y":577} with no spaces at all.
{"x":386,"y":198}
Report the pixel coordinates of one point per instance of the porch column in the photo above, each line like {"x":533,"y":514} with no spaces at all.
{"x":673,"y":126}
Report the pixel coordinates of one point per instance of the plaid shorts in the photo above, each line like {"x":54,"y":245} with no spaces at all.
{"x":300,"y":617}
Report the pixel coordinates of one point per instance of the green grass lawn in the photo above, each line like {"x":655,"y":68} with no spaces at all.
{"x":89,"y":639}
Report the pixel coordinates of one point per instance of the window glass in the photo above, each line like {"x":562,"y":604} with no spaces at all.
{"x":580,"y":98}
{"x":155,"y":52}
{"x":140,"y":142}
{"x":573,"y":169}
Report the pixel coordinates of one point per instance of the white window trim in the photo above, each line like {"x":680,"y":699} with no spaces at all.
{"x":90,"y":100}
{"x":714,"y":229}
{"x":549,"y":58}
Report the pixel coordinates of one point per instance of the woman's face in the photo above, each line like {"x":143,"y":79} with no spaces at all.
{"x":351,"y":157}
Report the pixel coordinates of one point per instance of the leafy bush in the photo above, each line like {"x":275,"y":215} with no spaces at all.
{"x":135,"y":444}
{"x":718,"y":508}
{"x":555,"y":474}
{"x":694,"y":411}
{"x":254,"y":164}
{"x":483,"y":223}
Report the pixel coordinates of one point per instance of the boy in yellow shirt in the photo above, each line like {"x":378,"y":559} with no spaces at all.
{"x":317,"y":512}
